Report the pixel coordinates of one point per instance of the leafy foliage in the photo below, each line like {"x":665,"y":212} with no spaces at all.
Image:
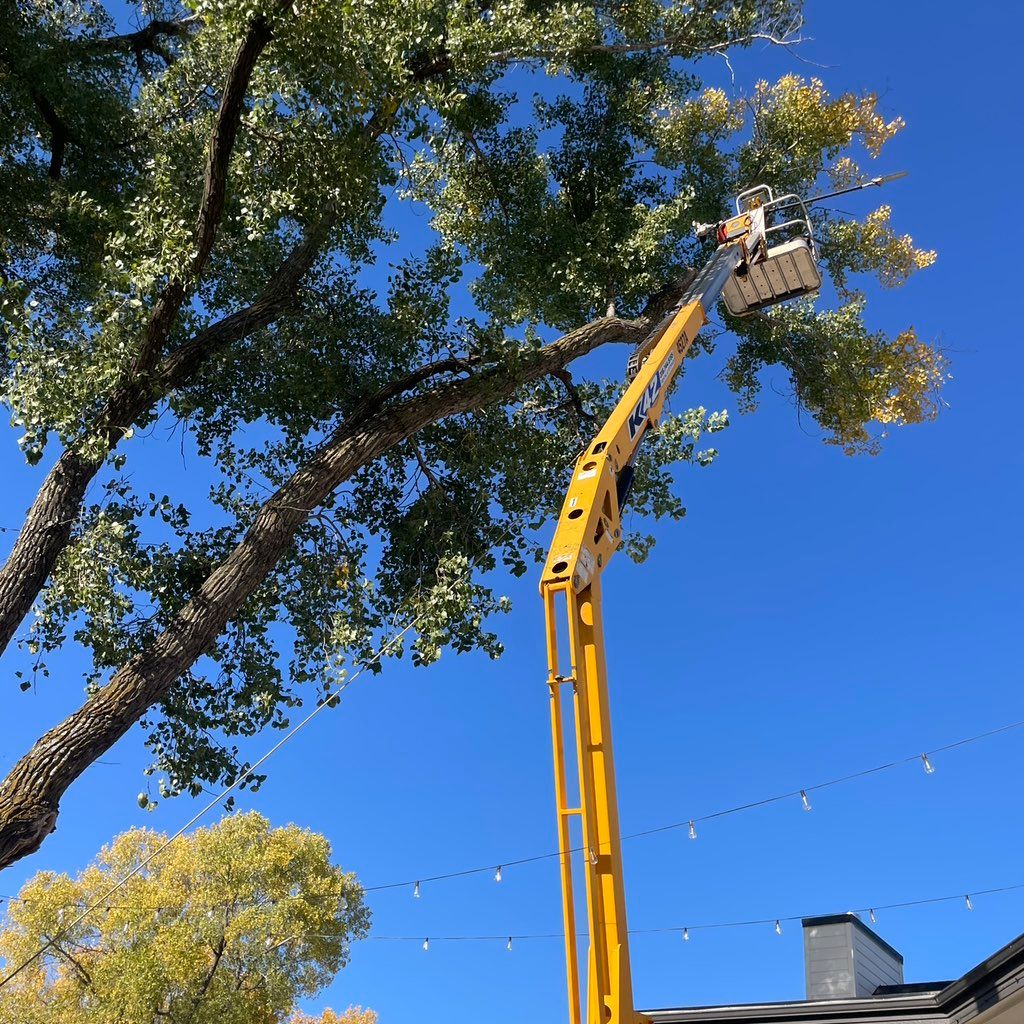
{"x":353,"y":1015}
{"x":232,"y":923}
{"x":558,"y":152}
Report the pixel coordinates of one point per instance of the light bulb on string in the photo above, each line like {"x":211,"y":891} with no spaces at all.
{"x":805,"y":801}
{"x":593,"y":856}
{"x":686,"y":935}
{"x":778,"y":927}
{"x":497,"y":874}
{"x":967,"y":903}
{"x":508,"y":945}
{"x":692,"y":830}
{"x":426,"y":945}
{"x":929,"y":768}
{"x":416,"y":891}
{"x":871,"y":914}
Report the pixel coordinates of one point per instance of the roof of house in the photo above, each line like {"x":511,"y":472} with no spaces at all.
{"x":999,"y":978}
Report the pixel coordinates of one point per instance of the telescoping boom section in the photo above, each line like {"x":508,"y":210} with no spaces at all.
{"x":588,"y":532}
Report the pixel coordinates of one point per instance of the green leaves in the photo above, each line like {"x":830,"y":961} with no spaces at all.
{"x":476,"y":178}
{"x":849,"y":377}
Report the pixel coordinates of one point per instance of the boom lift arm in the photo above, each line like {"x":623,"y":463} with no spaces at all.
{"x":751,"y":275}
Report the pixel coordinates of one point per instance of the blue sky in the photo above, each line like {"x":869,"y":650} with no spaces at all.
{"x":812,"y":616}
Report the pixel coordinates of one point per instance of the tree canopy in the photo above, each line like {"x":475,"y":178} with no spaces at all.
{"x":232,"y":923}
{"x":353,"y":1015}
{"x":205,"y":227}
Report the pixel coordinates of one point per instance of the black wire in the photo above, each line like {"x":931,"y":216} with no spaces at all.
{"x":789,"y":795}
{"x":707,"y":926}
{"x":704,"y":926}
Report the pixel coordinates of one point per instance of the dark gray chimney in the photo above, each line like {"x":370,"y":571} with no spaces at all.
{"x":845,"y":959}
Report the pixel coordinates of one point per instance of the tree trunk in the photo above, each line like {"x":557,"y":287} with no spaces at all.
{"x":30,"y":795}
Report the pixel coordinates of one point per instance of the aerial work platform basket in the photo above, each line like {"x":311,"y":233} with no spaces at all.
{"x":770,"y":273}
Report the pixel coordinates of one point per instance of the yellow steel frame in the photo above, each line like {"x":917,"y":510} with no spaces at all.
{"x":588,"y":533}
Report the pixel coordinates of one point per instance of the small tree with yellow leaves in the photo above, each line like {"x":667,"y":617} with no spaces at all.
{"x":231,"y":924}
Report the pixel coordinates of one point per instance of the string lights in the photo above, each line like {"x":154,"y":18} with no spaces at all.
{"x":776,"y":923}
{"x":690,"y":824}
{"x":272,"y":942}
{"x":330,"y":700}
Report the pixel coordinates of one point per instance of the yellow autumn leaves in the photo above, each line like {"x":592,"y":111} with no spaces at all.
{"x":229,"y":925}
{"x":807,"y":108}
{"x":353,"y":1015}
{"x":872,"y":245}
{"x":915,"y":373}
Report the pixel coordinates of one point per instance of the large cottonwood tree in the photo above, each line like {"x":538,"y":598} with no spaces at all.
{"x":198,"y":222}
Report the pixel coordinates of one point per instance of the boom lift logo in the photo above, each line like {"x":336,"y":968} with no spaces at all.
{"x":651,"y":392}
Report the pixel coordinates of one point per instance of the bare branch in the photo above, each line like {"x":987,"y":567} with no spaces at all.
{"x":84,"y":976}
{"x":60,"y":133}
{"x":573,"y":396}
{"x":218,"y":954}
{"x":677,"y":45}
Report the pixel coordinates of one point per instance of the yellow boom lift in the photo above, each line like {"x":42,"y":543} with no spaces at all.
{"x":764,"y":256}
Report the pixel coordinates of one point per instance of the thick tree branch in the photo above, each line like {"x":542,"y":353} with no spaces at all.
{"x":31,"y":793}
{"x":211,"y":205}
{"x":47,"y":526}
{"x":60,"y":133}
{"x":145,"y":39}
{"x":280,"y":294}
